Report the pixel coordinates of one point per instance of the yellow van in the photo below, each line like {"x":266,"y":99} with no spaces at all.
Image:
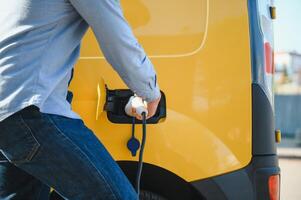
{"x":213,"y":136}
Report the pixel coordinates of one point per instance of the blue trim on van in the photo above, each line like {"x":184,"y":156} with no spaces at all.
{"x":263,"y":128}
{"x":257,"y":44}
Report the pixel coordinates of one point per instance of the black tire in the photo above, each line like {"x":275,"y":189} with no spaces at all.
{"x":144,"y":195}
{"x":147,"y":195}
{"x":55,"y":196}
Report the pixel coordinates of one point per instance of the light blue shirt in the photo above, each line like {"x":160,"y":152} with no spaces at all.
{"x":40,"y":43}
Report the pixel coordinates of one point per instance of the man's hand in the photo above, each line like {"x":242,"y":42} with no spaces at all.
{"x":151,"y":108}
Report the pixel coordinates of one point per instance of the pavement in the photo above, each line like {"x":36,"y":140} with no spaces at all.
{"x":289,"y":153}
{"x":290,"y":179}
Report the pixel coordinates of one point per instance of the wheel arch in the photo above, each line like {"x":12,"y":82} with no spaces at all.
{"x":160,"y":181}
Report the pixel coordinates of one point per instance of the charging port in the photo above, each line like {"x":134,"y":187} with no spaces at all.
{"x":116,"y":101}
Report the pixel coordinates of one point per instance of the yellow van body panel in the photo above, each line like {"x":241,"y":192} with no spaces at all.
{"x":201,"y":52}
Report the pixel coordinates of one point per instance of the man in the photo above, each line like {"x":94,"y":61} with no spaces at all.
{"x":43,"y":142}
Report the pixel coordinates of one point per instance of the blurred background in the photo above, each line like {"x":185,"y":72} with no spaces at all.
{"x":287,"y":83}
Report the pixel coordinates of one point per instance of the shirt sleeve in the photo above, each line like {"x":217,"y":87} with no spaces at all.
{"x":119,"y":45}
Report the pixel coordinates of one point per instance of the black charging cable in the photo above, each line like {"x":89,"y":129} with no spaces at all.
{"x":140,"y":163}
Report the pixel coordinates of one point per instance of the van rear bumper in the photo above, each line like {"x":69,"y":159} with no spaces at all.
{"x":248,"y":183}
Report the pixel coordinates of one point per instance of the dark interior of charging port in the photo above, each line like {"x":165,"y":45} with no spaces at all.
{"x":115,"y":104}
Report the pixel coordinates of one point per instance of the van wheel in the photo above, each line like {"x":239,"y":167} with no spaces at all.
{"x":55,"y":196}
{"x":147,"y":195}
{"x":144,"y":195}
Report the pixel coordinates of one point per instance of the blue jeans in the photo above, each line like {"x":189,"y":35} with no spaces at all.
{"x":42,"y":150}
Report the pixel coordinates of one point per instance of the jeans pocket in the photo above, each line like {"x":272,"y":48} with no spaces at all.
{"x":17,"y":142}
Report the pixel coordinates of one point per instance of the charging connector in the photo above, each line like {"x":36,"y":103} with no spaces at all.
{"x":140,"y":162}
{"x":133,"y":144}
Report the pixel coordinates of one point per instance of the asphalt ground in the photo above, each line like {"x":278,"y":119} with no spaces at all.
{"x":290,"y":178}
{"x":289,"y":153}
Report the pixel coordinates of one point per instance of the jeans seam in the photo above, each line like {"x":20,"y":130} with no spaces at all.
{"x":99,"y":173}
{"x":35,"y":147}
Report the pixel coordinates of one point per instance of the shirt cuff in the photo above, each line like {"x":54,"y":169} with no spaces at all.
{"x":152,"y":95}
{"x":149,"y":92}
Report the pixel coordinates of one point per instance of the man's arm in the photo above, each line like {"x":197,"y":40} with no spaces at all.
{"x":119,"y":45}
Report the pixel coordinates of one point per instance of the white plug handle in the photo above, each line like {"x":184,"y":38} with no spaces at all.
{"x":137,"y":103}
